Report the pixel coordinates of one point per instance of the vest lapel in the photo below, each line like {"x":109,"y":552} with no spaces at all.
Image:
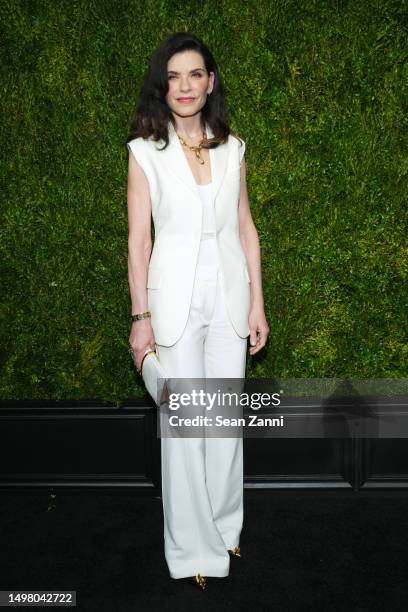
{"x":175,"y":159}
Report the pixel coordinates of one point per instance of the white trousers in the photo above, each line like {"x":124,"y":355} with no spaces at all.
{"x":202,"y":478}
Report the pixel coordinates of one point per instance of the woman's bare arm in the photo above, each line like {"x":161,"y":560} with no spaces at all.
{"x":250,"y":240}
{"x":259,"y":328}
{"x":139,"y":237}
{"x":139,"y":251}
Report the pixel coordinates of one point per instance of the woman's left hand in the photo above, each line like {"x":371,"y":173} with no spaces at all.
{"x":258,"y":328}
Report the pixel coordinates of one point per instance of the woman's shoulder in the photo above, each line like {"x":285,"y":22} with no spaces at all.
{"x":147,"y":146}
{"x":236,"y":140}
{"x":238,"y":146}
{"x":138,"y":142}
{"x":141,"y":147}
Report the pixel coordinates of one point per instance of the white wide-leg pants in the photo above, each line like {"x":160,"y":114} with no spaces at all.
{"x":202,"y":478}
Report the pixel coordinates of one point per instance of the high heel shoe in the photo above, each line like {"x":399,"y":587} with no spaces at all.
{"x":235,"y":552}
{"x":199,"y":580}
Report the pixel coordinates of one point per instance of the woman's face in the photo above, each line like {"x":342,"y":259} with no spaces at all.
{"x":189,"y":83}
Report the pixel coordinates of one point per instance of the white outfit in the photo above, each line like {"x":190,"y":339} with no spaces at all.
{"x":177,"y":215}
{"x":202,"y":478}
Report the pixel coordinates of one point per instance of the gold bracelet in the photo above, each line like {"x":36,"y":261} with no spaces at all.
{"x":142,"y":315}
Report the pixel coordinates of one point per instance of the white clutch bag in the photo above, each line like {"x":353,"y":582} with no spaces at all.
{"x":154,"y":377}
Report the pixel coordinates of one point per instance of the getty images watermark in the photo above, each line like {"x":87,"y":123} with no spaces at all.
{"x":220,"y":400}
{"x":316,"y":408}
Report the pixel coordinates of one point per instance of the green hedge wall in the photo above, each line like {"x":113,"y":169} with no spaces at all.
{"x":317,"y":89}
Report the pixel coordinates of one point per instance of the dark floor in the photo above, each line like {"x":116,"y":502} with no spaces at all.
{"x":302,"y":550}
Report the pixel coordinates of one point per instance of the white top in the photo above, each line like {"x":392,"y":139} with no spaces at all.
{"x":207,"y":263}
{"x":208,"y":227}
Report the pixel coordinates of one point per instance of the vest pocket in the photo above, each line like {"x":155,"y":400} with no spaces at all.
{"x":153,"y":278}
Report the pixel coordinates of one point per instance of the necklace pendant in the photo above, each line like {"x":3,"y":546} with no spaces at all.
{"x":198,"y":156}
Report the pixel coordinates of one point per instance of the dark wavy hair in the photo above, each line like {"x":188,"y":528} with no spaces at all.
{"x":152,"y":113}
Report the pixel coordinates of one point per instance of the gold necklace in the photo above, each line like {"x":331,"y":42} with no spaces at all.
{"x":195,"y":148}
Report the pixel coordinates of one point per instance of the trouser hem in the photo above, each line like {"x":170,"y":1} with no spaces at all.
{"x":205,"y":569}
{"x":230,"y":546}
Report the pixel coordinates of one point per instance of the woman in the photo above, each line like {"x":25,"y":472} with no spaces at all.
{"x":197,"y":295}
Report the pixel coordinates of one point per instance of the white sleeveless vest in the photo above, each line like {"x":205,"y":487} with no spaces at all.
{"x":177,"y":217}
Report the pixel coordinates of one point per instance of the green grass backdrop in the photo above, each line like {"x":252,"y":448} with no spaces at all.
{"x":318,"y":89}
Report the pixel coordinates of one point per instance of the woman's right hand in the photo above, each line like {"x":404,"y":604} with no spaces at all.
{"x":141,"y":339}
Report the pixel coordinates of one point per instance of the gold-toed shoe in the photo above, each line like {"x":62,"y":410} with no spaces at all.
{"x":200,"y":580}
{"x":236,"y":551}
